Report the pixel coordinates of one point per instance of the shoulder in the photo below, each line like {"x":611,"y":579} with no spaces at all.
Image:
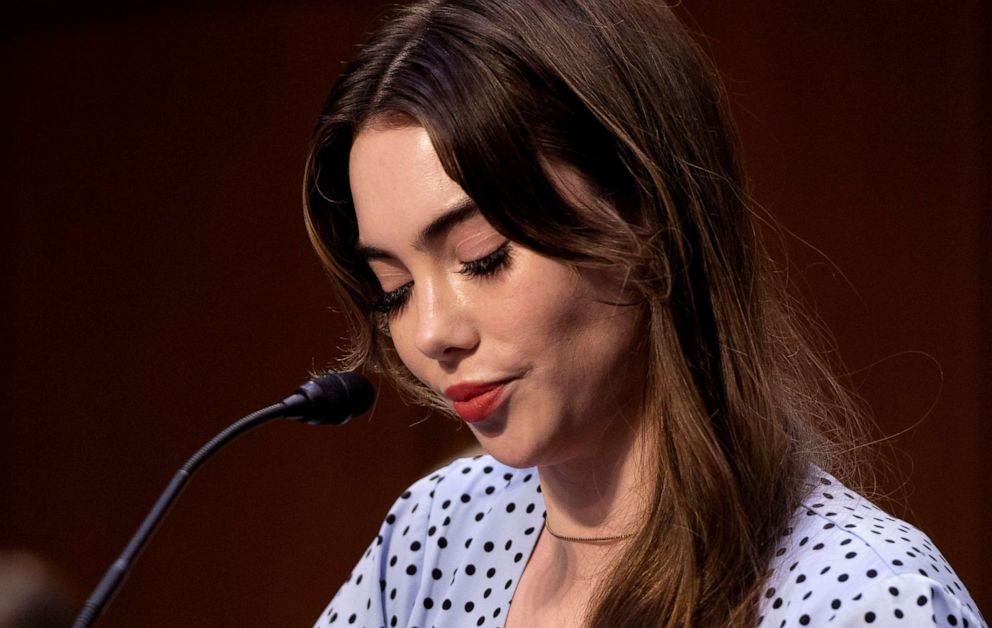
{"x":462,"y":494}
{"x":480,"y":479}
{"x":843,"y":561}
{"x":473,"y":515}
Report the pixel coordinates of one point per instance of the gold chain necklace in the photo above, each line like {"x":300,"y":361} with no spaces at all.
{"x":585,"y":539}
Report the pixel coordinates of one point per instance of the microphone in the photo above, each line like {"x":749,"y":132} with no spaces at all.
{"x":330,"y":399}
{"x":327,"y":399}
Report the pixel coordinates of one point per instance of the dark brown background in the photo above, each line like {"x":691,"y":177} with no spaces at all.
{"x":158,"y":284}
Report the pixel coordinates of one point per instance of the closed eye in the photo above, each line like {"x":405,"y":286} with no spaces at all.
{"x":489,"y":264}
{"x":391,"y":303}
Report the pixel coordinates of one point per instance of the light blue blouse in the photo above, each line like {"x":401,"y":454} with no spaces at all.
{"x":452,"y":549}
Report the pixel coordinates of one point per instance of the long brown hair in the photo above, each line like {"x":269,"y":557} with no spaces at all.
{"x":742,"y":402}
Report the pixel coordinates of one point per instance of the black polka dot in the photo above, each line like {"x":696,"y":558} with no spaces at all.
{"x":834,"y":555}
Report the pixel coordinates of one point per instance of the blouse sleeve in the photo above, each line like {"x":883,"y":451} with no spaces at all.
{"x":381,"y":588}
{"x":901,"y":600}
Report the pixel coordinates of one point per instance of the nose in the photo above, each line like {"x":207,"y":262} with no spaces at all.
{"x":445,"y":327}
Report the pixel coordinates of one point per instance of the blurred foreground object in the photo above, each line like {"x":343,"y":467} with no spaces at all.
{"x":32,"y":593}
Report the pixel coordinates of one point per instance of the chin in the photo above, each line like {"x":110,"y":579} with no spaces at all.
{"x":510,"y":454}
{"x":517,"y":453}
{"x":518,"y":441}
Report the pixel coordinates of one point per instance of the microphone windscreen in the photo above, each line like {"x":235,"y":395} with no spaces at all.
{"x":336,"y":397}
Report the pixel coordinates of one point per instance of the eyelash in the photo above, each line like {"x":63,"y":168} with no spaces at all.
{"x":392,"y":302}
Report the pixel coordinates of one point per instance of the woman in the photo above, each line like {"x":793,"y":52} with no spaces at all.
{"x":535,"y":215}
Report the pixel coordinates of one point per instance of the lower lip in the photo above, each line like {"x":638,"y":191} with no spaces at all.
{"x":479,"y":407}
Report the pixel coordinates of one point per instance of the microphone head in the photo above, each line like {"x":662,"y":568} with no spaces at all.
{"x":333,"y":398}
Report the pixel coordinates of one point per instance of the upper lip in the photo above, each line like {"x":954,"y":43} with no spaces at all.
{"x":469,"y":390}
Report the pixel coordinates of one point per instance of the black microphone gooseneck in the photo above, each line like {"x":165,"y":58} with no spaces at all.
{"x":328,"y":399}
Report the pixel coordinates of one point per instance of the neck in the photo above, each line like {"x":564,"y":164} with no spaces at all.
{"x":601,"y":494}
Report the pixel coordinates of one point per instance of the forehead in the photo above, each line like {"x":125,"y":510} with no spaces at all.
{"x":397,"y":182}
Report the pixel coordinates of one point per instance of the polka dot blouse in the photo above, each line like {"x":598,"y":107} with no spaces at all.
{"x":453,"y":547}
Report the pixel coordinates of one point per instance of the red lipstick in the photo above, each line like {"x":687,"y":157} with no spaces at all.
{"x":476,"y":401}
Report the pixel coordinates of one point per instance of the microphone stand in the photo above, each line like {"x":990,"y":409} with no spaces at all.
{"x":115,"y":574}
{"x":327,"y":399}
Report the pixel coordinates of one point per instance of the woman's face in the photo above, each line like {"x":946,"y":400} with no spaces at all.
{"x":531,"y":353}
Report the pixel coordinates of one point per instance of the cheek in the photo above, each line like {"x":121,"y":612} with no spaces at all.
{"x":539,"y":300}
{"x":403,"y":334}
{"x":543,"y":314}
{"x":609,"y":335}
{"x":575,"y":324}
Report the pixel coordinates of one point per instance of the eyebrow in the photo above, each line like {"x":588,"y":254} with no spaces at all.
{"x":458,"y":213}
